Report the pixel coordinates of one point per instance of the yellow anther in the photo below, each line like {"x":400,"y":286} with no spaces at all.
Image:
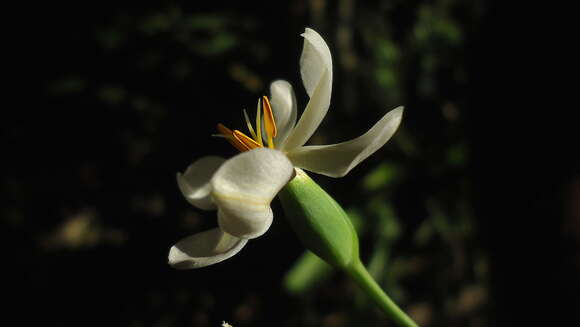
{"x":246,"y":141}
{"x":243,"y":142}
{"x":269,"y":121}
{"x":229,"y":135}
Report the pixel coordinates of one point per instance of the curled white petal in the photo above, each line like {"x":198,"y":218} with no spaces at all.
{"x":316,"y":70}
{"x":315,"y":59}
{"x":204,"y":249}
{"x":283,"y":101}
{"x":194,"y":182}
{"x":243,"y":188}
{"x":337,"y":160}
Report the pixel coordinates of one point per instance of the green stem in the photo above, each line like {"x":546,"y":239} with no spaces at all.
{"x":362,"y":277}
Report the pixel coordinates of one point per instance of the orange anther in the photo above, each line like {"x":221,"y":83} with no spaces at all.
{"x":246,"y":141}
{"x":224,"y":130}
{"x":229,"y":135}
{"x":269,"y":122}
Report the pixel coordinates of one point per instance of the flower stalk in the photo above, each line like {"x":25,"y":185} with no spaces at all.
{"x":365,"y":281}
{"x":325,"y":229}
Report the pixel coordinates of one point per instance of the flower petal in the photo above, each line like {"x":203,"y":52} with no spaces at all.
{"x":337,"y":160}
{"x":243,"y":188}
{"x":194,"y":183}
{"x":204,"y":249}
{"x":315,"y":59}
{"x":255,"y":225}
{"x":316,"y":69}
{"x":283,"y":101}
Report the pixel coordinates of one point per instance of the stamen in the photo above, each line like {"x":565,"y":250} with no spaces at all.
{"x":269,"y":122}
{"x":259,"y":123}
{"x":226,"y":132}
{"x":250,"y":128}
{"x":229,"y":135}
{"x":244,"y":143}
{"x":247,"y":142}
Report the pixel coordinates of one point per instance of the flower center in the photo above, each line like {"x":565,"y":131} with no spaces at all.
{"x":243,"y":142}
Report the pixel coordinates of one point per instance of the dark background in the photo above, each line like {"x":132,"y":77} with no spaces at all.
{"x":469,"y":217}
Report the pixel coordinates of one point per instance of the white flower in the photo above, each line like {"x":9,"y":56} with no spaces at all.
{"x":242,"y":187}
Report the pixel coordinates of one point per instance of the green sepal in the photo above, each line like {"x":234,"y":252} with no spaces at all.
{"x":320,"y":223}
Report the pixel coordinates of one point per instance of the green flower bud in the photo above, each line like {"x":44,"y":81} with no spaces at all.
{"x":320,"y":223}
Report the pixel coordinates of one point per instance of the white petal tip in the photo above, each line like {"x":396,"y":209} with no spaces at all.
{"x":398,"y":111}
{"x":397,"y":115}
{"x":177,"y":259}
{"x":204,"y":249}
{"x":308,"y":30}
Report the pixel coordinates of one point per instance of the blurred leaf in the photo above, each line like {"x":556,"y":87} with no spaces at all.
{"x":379,"y":259}
{"x":215,"y":45}
{"x":382,"y":176}
{"x":307,"y":272}
{"x":388,"y":227}
{"x":436,"y":28}
{"x":387,"y":63}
